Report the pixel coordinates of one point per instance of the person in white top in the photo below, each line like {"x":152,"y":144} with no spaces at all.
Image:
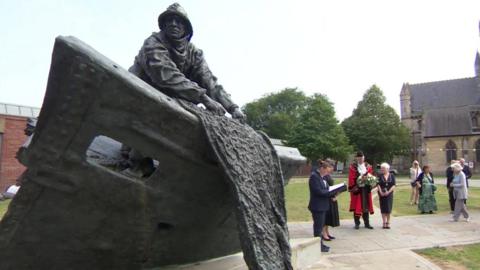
{"x":415,"y":171}
{"x":460,"y":192}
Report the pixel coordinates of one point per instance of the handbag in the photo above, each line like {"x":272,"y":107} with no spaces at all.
{"x":355,"y":189}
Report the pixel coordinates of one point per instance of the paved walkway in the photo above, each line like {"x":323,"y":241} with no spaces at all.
{"x":391,"y":249}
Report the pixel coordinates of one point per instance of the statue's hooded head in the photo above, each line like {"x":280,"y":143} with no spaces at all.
{"x":176,"y":11}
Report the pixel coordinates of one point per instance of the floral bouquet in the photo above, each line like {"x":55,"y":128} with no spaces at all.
{"x":369,"y":181}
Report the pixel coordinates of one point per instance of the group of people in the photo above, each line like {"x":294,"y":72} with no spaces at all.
{"x":360,"y":184}
{"x":423,"y":188}
{"x":323,"y":203}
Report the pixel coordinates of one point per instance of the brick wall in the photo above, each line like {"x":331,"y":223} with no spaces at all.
{"x":13,"y":137}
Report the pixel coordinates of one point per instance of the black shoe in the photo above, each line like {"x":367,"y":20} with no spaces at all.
{"x":357,"y":226}
{"x":369,"y":227}
{"x":331,"y":237}
{"x":324,"y":248}
{"x":326,"y":239}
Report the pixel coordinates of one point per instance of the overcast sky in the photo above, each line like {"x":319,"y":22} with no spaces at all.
{"x":338,"y":48}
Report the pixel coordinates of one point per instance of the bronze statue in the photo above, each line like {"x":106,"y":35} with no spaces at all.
{"x":218,"y":189}
{"x":171,"y":63}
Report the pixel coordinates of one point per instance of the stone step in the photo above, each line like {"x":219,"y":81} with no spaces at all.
{"x":305,"y":252}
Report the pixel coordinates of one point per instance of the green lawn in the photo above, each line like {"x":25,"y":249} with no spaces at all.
{"x":402,"y":207}
{"x":457,"y":257}
{"x":3,"y":207}
{"x":297,"y":196}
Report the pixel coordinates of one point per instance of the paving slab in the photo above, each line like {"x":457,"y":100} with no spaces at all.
{"x":384,"y":249}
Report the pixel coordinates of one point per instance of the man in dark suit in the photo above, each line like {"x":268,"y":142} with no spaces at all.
{"x":319,"y":199}
{"x":449,"y":174}
{"x":466,"y":170}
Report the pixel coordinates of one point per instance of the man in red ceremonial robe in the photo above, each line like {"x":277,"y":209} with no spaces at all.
{"x":360,"y":197}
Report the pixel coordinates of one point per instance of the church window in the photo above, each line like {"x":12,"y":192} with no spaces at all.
{"x":477,"y":150}
{"x":419,"y":125}
{"x":451,"y":151}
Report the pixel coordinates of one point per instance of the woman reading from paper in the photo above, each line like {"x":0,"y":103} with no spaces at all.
{"x":320,"y":198}
{"x":332,"y":216}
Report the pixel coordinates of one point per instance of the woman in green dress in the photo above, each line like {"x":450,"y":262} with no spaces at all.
{"x":425,"y":183}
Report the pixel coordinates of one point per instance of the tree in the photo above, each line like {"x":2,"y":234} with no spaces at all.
{"x":276,"y":113}
{"x":318,"y":134}
{"x":375,"y":128}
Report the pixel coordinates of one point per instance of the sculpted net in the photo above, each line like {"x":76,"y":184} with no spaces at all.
{"x":253,"y":170}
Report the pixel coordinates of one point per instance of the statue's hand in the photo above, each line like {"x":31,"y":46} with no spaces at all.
{"x":212,"y":105}
{"x":237,"y":114}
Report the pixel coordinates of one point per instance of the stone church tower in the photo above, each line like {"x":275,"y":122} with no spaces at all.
{"x":477,"y":69}
{"x":477,"y":58}
{"x":405,"y":105}
{"x":477,"y":65}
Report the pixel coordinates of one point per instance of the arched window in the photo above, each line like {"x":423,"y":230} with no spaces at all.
{"x":419,"y":125}
{"x":477,"y":150}
{"x":451,"y":150}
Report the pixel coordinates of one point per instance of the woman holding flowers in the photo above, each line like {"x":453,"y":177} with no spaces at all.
{"x":426,"y":202}
{"x":386,"y":185}
{"x":360,"y":183}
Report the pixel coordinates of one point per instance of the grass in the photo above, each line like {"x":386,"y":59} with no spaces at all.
{"x":297,"y":196}
{"x":456,"y":257}
{"x":402,"y":207}
{"x":3,"y":207}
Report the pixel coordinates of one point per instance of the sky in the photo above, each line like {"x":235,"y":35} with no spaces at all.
{"x":255,"y":47}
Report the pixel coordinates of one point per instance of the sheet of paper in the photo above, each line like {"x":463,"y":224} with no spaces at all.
{"x":334,"y":187}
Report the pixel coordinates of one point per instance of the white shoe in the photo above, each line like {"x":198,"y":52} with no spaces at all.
{"x":467,"y":219}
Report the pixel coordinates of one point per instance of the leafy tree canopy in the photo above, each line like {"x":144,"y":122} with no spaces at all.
{"x":318,"y":134}
{"x":375,"y":128}
{"x":276,"y":113}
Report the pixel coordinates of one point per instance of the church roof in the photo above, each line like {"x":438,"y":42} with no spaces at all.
{"x":445,"y":122}
{"x":444,"y":94}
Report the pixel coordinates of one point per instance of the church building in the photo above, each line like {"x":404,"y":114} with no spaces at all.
{"x":444,"y":120}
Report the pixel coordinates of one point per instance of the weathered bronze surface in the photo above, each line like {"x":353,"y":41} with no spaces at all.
{"x":74,"y":211}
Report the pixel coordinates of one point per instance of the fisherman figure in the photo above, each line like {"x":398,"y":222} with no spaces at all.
{"x":171,"y":63}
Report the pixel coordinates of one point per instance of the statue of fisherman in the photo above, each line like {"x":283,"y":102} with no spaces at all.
{"x":171,"y":63}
